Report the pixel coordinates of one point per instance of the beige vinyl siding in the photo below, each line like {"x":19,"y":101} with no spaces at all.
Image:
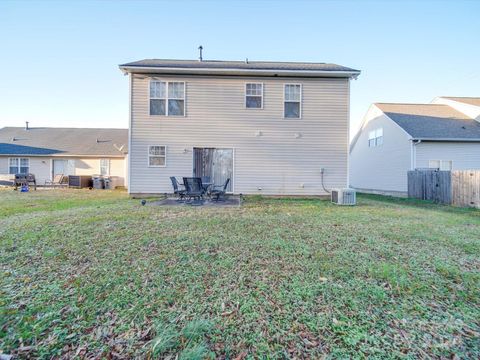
{"x":216,"y":116}
{"x":464,"y":155}
{"x":41,"y":167}
{"x":383,"y":168}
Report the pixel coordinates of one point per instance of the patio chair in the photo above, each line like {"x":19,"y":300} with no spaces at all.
{"x":58,"y":180}
{"x":194,"y":190}
{"x":206,"y":183}
{"x":24,"y":180}
{"x":180,"y":193}
{"x":219,"y":191}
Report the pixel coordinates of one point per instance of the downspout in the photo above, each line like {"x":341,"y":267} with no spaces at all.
{"x":129,"y":154}
{"x":348,"y":138}
{"x":413,"y":160}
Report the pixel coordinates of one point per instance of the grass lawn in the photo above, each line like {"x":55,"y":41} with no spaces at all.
{"x":94,"y":274}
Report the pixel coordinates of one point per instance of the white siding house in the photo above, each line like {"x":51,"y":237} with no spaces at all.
{"x":380,"y":168}
{"x":269,"y":127}
{"x":436,"y":135}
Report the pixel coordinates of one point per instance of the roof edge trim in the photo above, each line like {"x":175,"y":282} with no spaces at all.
{"x":232,"y":71}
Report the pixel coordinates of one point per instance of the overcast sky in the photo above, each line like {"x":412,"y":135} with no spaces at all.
{"x":59,"y":60}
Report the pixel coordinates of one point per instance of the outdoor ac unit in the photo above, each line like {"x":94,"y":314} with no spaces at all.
{"x":344,"y":196}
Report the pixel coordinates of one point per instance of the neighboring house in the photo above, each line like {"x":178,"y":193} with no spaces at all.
{"x":268,"y":126}
{"x":46,"y":152}
{"x":396,"y":138}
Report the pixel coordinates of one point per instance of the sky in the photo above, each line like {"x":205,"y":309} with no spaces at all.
{"x":59,"y":59}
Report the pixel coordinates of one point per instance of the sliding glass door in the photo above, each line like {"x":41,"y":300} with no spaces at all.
{"x":63,"y":167}
{"x":214,"y":163}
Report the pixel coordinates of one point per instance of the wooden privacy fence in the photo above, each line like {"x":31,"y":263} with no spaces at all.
{"x":459,"y":187}
{"x":466,"y":188}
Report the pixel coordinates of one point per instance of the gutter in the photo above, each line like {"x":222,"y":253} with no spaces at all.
{"x":446,"y":139}
{"x":239,"y":72}
{"x":67,"y":156}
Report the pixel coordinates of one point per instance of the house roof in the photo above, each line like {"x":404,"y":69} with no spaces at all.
{"x":432,"y":121}
{"x":265,"y":68}
{"x":63,"y":141}
{"x":475,"y":101}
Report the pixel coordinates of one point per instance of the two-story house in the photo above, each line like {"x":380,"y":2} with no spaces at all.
{"x":271,"y":127}
{"x":395,"y":138}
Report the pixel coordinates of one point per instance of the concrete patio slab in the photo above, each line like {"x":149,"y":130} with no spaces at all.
{"x":231,"y":201}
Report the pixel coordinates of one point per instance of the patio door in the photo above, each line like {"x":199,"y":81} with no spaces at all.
{"x":217,"y":164}
{"x":63,"y":167}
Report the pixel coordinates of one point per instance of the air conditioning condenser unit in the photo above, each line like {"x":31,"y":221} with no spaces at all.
{"x":344,"y":196}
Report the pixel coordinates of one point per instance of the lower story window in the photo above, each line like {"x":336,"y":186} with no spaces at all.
{"x":104,"y":166}
{"x":444,"y":165}
{"x":19,"y":166}
{"x":157,"y":156}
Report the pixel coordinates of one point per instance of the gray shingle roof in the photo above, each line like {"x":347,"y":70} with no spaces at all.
{"x":63,"y":141}
{"x":475,"y":101}
{"x":219,"y":65}
{"x":432,"y":121}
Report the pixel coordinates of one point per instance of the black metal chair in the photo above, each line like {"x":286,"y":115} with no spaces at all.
{"x":180,"y":193}
{"x":194,"y":190}
{"x":206,"y":183}
{"x":25,"y":180}
{"x":219,"y":191}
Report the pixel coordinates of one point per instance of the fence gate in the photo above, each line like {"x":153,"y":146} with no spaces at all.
{"x":432,"y":185}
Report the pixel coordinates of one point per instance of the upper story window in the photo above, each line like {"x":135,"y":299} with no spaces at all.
{"x":375,"y":137}
{"x":157,"y":156}
{"x":254,"y":96}
{"x":167,"y":98}
{"x":19,"y":166}
{"x":292,"y":100}
{"x":104,"y":166}
{"x":158,"y":98}
{"x":176,"y":98}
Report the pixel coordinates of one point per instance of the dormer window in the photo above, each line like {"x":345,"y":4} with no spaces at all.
{"x":254,"y":96}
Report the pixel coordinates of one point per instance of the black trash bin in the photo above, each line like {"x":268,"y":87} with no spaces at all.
{"x":98,"y":182}
{"x":107,"y":183}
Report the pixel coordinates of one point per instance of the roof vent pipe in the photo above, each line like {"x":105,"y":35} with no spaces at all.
{"x":200,"y":49}
{"x":26,"y":125}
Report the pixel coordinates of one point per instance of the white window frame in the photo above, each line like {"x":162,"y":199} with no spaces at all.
{"x":446,"y":161}
{"x":440,"y":164}
{"x":150,"y":98}
{"x":108,"y":166}
{"x":300,"y":111}
{"x":166,"y":98}
{"x":261,"y":96}
{"x":149,"y":156}
{"x":371,"y":138}
{"x":19,"y":161}
{"x":375,"y":137}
